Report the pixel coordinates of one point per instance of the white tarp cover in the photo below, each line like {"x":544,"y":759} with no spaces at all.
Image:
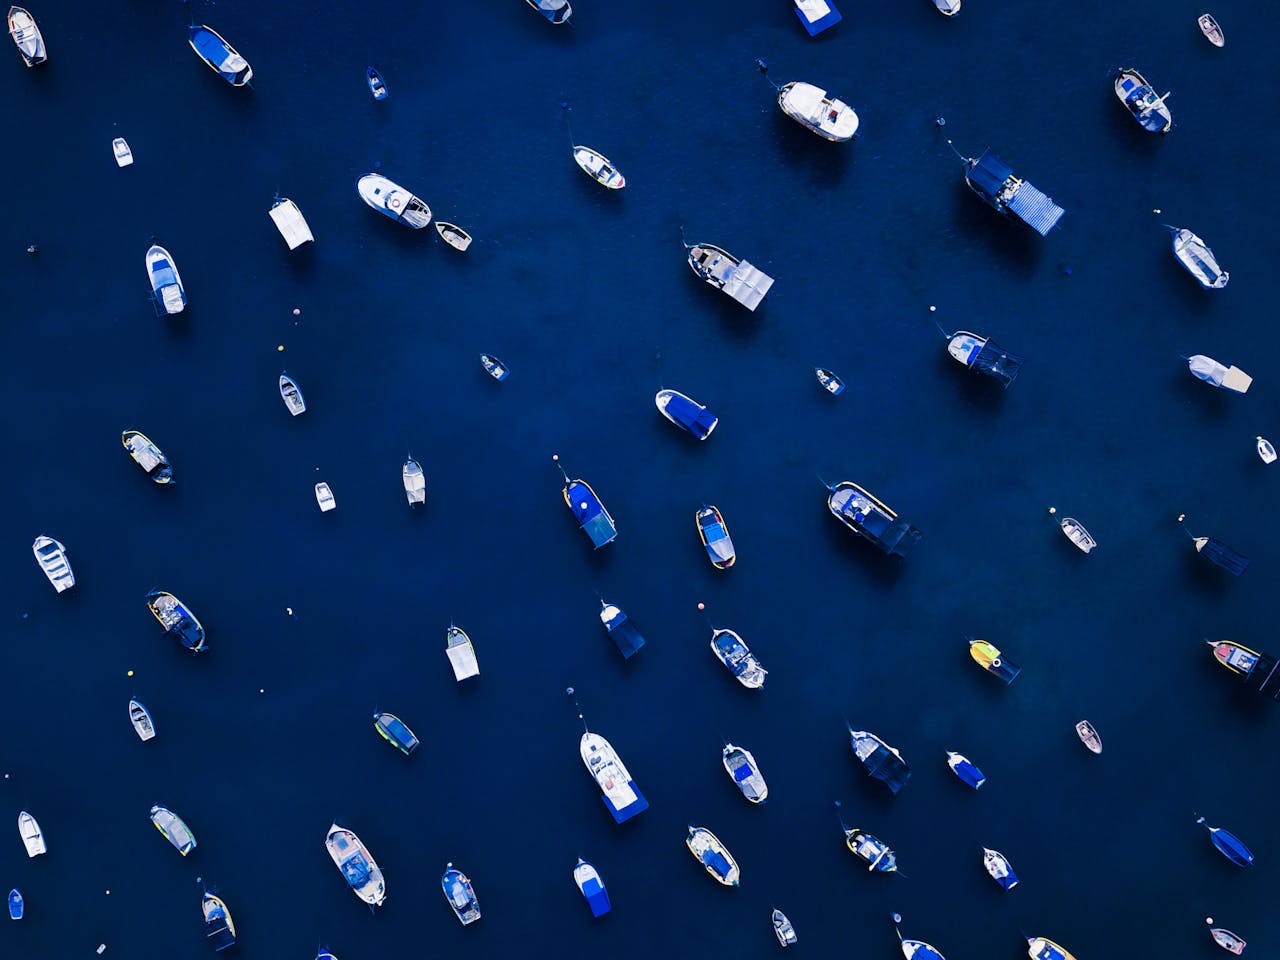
{"x":747,"y":284}
{"x":463,"y":659}
{"x":291,"y":224}
{"x":1211,"y":371}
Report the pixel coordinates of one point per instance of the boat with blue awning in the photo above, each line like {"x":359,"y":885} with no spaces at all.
{"x":715,"y":537}
{"x":167,"y":291}
{"x":620,"y":794}
{"x":1229,"y":845}
{"x":221,"y":57}
{"x":881,"y":761}
{"x":588,"y":510}
{"x":866,"y":516}
{"x":621,"y":630}
{"x":965,"y":770}
{"x":685,"y":413}
{"x":587,"y":877}
{"x":817,"y":15}
{"x":742,"y":767}
{"x":992,"y":179}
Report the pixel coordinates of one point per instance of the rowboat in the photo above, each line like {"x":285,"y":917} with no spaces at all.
{"x":587,"y":878}
{"x":829,"y":381}
{"x":1209,"y":27}
{"x":396,"y":732}
{"x":291,"y":395}
{"x":1228,"y":941}
{"x":16,"y":904}
{"x":461,"y":653}
{"x":219,"y":928}
{"x":377,"y":86}
{"x":394,"y":201}
{"x":166,"y":284}
{"x":715,"y":537}
{"x":356,"y":865}
{"x":1218,"y":374}
{"x":1089,"y":736}
{"x":598,"y":167}
{"x":494,"y":367}
{"x":177,"y":619}
{"x":140,"y":717}
{"x":415,"y":484}
{"x":1042,"y":948}
{"x":284,"y":213}
{"x":26,"y":36}
{"x":877,"y":854}
{"x":998,"y":866}
{"x":123,"y":155}
{"x":324,"y":497}
{"x":782,"y":928}
{"x":1140,"y":99}
{"x":1229,"y":845}
{"x":713,"y":855}
{"x":810,"y":107}
{"x":1077,"y":534}
{"x":52,"y":557}
{"x":745,"y":772}
{"x":1266,"y":451}
{"x":738,"y":658}
{"x":992,"y":660}
{"x":965,"y":770}
{"x":32,"y":836}
{"x":460,"y":894}
{"x":173,"y":828}
{"x":148,"y":456}
{"x":219,"y":55}
{"x":453,"y":235}
{"x":1194,"y":254}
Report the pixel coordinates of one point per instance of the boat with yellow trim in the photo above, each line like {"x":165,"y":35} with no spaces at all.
{"x":219,"y":928}
{"x":147,"y":455}
{"x":987,"y":656}
{"x":715,"y":536}
{"x":1042,"y":948}
{"x":713,"y":855}
{"x":870,"y":519}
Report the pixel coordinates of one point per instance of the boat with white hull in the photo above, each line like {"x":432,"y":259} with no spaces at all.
{"x":461,"y":653}
{"x":52,"y":557}
{"x":394,"y":201}
{"x":31,"y":834}
{"x":166,"y":284}
{"x":620,"y":793}
{"x":140,"y":717}
{"x":356,"y":865}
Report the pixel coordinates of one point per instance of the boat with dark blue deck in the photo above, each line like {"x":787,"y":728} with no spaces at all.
{"x":817,"y":15}
{"x":377,"y":86}
{"x":460,"y":894}
{"x":177,"y":620}
{"x":16,"y":904}
{"x":965,"y":770}
{"x":984,"y":355}
{"x":621,"y":630}
{"x":1229,"y":845}
{"x":878,"y":855}
{"x":992,"y":179}
{"x":869,"y":518}
{"x":587,"y":877}
{"x":396,"y":732}
{"x":589,"y":511}
{"x":219,"y":55}
{"x":734,"y":653}
{"x":881,"y":761}
{"x":1259,"y":670}
{"x":685,"y":413}
{"x":219,"y":928}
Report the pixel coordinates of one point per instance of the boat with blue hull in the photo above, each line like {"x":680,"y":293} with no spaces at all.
{"x":621,"y":630}
{"x":177,"y":620}
{"x":587,"y":877}
{"x":992,"y":179}
{"x":870,"y":519}
{"x":881,"y":761}
{"x":219,"y":928}
{"x":1001,"y":870}
{"x":221,"y":57}
{"x":460,"y":894}
{"x":685,"y":413}
{"x":17,"y":906}
{"x":396,"y":732}
{"x":1042,"y":948}
{"x":588,"y":510}
{"x":986,"y":655}
{"x":621,"y":796}
{"x":817,"y":15}
{"x":965,"y":770}
{"x":377,"y":86}
{"x":1229,"y":845}
{"x":356,"y":864}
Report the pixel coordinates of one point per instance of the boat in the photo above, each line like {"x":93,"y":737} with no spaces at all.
{"x":219,"y":928}
{"x":735,"y":655}
{"x":27,"y":37}
{"x":1140,"y":99}
{"x":1228,"y":844}
{"x":356,"y":865}
{"x":993,"y":661}
{"x":1089,"y":736}
{"x":593,"y":519}
{"x":881,"y":761}
{"x":1261,"y":671}
{"x":52,"y":557}
{"x":174,"y":829}
{"x":745,"y":772}
{"x":166,"y":285}
{"x":123,"y":155}
{"x":219,"y":55}
{"x":1265,"y":450}
{"x":1228,"y":941}
{"x":715,"y":537}
{"x":415,"y":484}
{"x":324,"y":953}
{"x":394,"y":730}
{"x":16,"y":904}
{"x":985,"y":356}
{"x":1042,"y":948}
{"x":713,"y":855}
{"x":587,"y":877}
{"x":737,"y":278}
{"x":685,"y":413}
{"x":394,"y":201}
{"x":148,"y":456}
{"x":557,"y":11}
{"x":948,"y":8}
{"x":965,"y":770}
{"x":992,"y":179}
{"x":816,"y":15}
{"x":620,"y":794}
{"x":460,"y":894}
{"x":1218,"y":374}
{"x":32,"y":836}
{"x":918,"y":949}
{"x":1218,"y":553}
{"x":869,"y":518}
{"x":377,"y":86}
{"x":177,"y":620}
{"x":494,"y":367}
{"x":140,"y":717}
{"x":810,"y":107}
{"x":877,"y":854}
{"x":291,"y":395}
{"x":1209,"y":27}
{"x":622,"y":631}
{"x":453,"y":235}
{"x":998,"y":866}
{"x":1077,"y":534}
{"x":324,"y":497}
{"x":1194,"y":254}
{"x":461,"y":654}
{"x":284,"y":213}
{"x":829,"y":381}
{"x":598,"y":167}
{"x":782,"y":928}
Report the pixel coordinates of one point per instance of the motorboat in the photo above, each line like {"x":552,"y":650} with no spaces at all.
{"x":1194,"y":254}
{"x":1218,"y":374}
{"x":1261,"y":671}
{"x":461,"y":653}
{"x":1089,"y":736}
{"x":713,"y":855}
{"x":174,"y":829}
{"x":587,"y":877}
{"x":394,"y":201}
{"x":985,"y":356}
{"x":324,"y":497}
{"x":219,"y":928}
{"x":948,"y":8}
{"x":992,"y":179}
{"x":453,"y":235}
{"x":494,"y":367}
{"x":221,"y":57}
{"x":1266,"y":450}
{"x":1228,"y":941}
{"x":324,"y":953}
{"x":626,"y":637}
{"x":148,"y":456}
{"x":918,"y":949}
{"x":377,"y":86}
{"x":1209,"y":27}
{"x":396,"y":732}
{"x":415,"y":483}
{"x":177,"y":620}
{"x":52,"y":557}
{"x":598,"y":167}
{"x":878,"y":855}
{"x":460,"y":894}
{"x":782,"y":928}
{"x":1218,"y":553}
{"x":737,"y":656}
{"x":1042,"y":948}
{"x":965,"y":770}
{"x":998,"y":866}
{"x":810,"y":107}
{"x":17,"y":906}
{"x":284,"y":213}
{"x":993,"y":661}
{"x":557,"y":11}
{"x":685,"y":413}
{"x":1141,"y":100}
{"x":737,"y":278}
{"x":745,"y":772}
{"x":869,"y":518}
{"x":593,"y":519}
{"x":881,"y":761}
{"x":1228,"y":844}
{"x":27,"y":37}
{"x":715,"y":536}
{"x":140,"y":717}
{"x":31,"y":834}
{"x":166,"y":285}
{"x":120,"y":149}
{"x":816,"y":15}
{"x":620,"y":794}
{"x":829,"y":381}
{"x":1077,"y":534}
{"x":356,"y":865}
{"x":291,"y":395}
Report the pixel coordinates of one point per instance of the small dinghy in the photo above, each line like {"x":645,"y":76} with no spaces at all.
{"x":1266,"y":451}
{"x":172,"y":614}
{"x":1077,"y":534}
{"x":817,"y":112}
{"x":221,"y":57}
{"x":173,"y":828}
{"x":685,"y":413}
{"x":745,"y":772}
{"x":1089,"y":736}
{"x":52,"y":557}
{"x":1194,"y":254}
{"x":291,"y":395}
{"x":878,"y":855}
{"x":1218,"y":374}
{"x":284,"y":213}
{"x":713,"y":855}
{"x":1228,"y":941}
{"x":829,"y":381}
{"x":461,"y":653}
{"x":782,"y":928}
{"x":998,"y":866}
{"x":1209,"y":27}
{"x":32,"y":837}
{"x":587,"y":877}
{"x":123,"y":155}
{"x":140,"y":717}
{"x":16,"y":904}
{"x":148,"y":456}
{"x":453,"y":235}
{"x":396,"y":732}
{"x":324,"y":497}
{"x":599,"y":168}
{"x":26,"y":36}
{"x":394,"y":201}
{"x":415,"y":484}
{"x":1140,"y":99}
{"x":494,"y":367}
{"x":1229,"y":845}
{"x":965,"y":770}
{"x":715,"y":537}
{"x":460,"y":894}
{"x":166,"y":285}
{"x":377,"y":86}
{"x":992,"y":660}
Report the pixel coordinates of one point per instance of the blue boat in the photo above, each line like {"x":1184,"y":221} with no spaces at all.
{"x":621,"y":630}
{"x":587,"y":877}
{"x":619,"y":792}
{"x":377,"y":86}
{"x":219,"y":55}
{"x":16,"y":904}
{"x":685,"y":413}
{"x":556,"y":11}
{"x":992,"y":179}
{"x":880,"y":760}
{"x":592,"y":517}
{"x":817,"y":15}
{"x":1229,"y":845}
{"x":965,"y":770}
{"x":919,"y":950}
{"x":715,"y":537}
{"x":1000,"y":868}
{"x":177,"y":620}
{"x":394,"y":730}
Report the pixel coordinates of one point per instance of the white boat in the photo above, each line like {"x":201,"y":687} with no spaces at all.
{"x":220,"y":56}
{"x":783,"y":929}
{"x":1228,"y":941}
{"x":1209,"y":27}
{"x":357,"y":866}
{"x":598,"y":167}
{"x":394,"y":201}
{"x":810,"y":107}
{"x":415,"y":484}
{"x":1077,"y":534}
{"x":948,"y":7}
{"x":324,"y":497}
{"x":997,"y":864}
{"x":173,"y":828}
{"x":1194,"y":254}
{"x":52,"y":557}
{"x":1266,"y":451}
{"x":291,"y":395}
{"x":140,"y":717}
{"x":713,"y":855}
{"x":745,"y":772}
{"x":120,"y":147}
{"x":284,"y":213}
{"x":1218,"y":374}
{"x":32,"y":838}
{"x":453,"y":235}
{"x":166,"y":284}
{"x":461,"y":653}
{"x":739,"y":279}
{"x":26,"y":36}
{"x":621,"y":795}
{"x":1089,"y":736}
{"x":734,"y":653}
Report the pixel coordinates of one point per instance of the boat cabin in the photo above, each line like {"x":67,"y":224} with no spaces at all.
{"x":992,"y":179}
{"x":985,"y":356}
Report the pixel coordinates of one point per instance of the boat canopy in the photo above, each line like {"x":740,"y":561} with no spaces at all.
{"x":597,"y":898}
{"x":592,"y":516}
{"x":747,"y":284}
{"x":886,"y":766}
{"x":997,"y":362}
{"x":716,"y":861}
{"x":1221,"y":555}
{"x":718,"y":543}
{"x":622,"y":631}
{"x":1219,"y":374}
{"x":692,"y":416}
{"x":990,"y":177}
{"x":291,"y":224}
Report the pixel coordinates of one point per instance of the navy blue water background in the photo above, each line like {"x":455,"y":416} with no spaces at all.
{"x":585,"y":293}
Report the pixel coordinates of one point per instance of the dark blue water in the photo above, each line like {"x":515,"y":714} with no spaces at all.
{"x":267,"y":738}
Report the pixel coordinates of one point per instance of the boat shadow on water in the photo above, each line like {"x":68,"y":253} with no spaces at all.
{"x":878,"y":569}
{"x":1005,"y":237}
{"x":973,"y":393}
{"x":826,"y":164}
{"x":1213,"y":405}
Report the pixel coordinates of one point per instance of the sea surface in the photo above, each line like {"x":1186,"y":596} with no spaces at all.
{"x":585,"y":293}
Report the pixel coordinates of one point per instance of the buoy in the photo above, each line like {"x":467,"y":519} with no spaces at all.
{"x":555,"y":456}
{"x":297,"y":311}
{"x":941,"y":121}
{"x":280,"y":348}
{"x":1052,"y":511}
{"x":289,"y":611}
{"x":569,"y":691}
{"x":1208,"y":919}
{"x":262,"y":690}
{"x":932,"y":308}
{"x":701,"y":605}
{"x":108,"y":893}
{"x":130,"y":673}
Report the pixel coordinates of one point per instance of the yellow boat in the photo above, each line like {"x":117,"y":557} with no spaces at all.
{"x":990,"y":659}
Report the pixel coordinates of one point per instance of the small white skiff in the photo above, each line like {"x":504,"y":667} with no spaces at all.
{"x":120,"y":147}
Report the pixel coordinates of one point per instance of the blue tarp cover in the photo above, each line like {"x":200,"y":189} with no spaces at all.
{"x":989,"y":174}
{"x":716,"y":862}
{"x":208,"y":45}
{"x":888,"y":767}
{"x":822,"y":23}
{"x":698,"y":420}
{"x":626,"y":813}
{"x":742,"y":773}
{"x":970,"y":774}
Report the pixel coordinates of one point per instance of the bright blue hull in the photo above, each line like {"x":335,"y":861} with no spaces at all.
{"x":639,"y":805}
